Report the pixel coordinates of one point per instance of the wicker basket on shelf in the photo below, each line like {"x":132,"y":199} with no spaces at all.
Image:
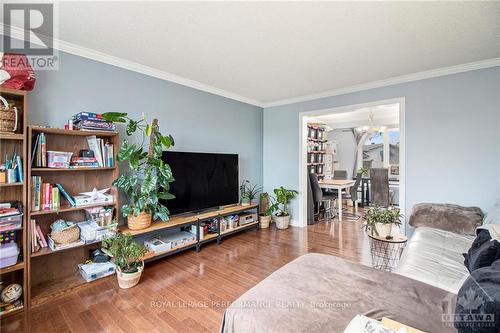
{"x":8,"y":116}
{"x":66,"y":236}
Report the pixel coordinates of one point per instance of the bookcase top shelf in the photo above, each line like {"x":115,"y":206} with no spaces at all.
{"x":61,"y":131}
{"x":33,"y":170}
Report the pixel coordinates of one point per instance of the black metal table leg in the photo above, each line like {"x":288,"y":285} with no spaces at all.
{"x":198,"y":236}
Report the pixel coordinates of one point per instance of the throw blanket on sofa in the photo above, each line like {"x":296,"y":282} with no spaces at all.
{"x":322,"y":293}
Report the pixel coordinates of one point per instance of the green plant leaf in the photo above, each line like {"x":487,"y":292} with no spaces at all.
{"x":131,"y":127}
{"x":117,"y":117}
{"x":148,"y":130}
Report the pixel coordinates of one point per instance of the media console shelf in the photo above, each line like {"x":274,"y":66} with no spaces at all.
{"x":177,"y":221}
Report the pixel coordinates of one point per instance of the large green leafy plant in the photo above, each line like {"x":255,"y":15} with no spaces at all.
{"x":149,"y":178}
{"x":126,"y":253}
{"x":281,"y":200}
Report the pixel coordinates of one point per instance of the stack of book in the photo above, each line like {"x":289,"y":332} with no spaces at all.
{"x":92,"y":122}
{"x":46,"y":196}
{"x":103,"y":151}
{"x":39,"y":157}
{"x":84,"y":162}
{"x":38,"y":239}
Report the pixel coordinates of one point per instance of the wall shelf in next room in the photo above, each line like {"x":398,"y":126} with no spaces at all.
{"x":36,"y":170}
{"x":11,"y":184}
{"x":13,"y":268}
{"x":63,"y":209}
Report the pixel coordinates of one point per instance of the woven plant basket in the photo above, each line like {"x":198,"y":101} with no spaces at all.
{"x":282,"y":222}
{"x":141,"y":221}
{"x":264,"y":221}
{"x":66,"y":236}
{"x":8,"y":116}
{"x":128,"y":280}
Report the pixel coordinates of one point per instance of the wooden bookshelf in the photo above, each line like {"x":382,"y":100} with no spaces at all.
{"x":9,"y":143}
{"x":54,"y":273}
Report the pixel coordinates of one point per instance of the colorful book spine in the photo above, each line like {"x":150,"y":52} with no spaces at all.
{"x":56,"y":203}
{"x":65,"y":194}
{"x":46,"y":196}
{"x":20,"y":174}
{"x":43,"y":241}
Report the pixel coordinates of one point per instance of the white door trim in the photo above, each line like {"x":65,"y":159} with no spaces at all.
{"x":302,"y":222}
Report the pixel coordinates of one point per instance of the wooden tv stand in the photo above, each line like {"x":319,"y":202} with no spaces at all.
{"x":182,"y":220}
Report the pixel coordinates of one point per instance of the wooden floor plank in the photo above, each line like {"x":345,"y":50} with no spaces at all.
{"x":188,"y":292}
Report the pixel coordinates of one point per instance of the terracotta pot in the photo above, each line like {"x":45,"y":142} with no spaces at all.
{"x":128,"y":280}
{"x":383,"y":229}
{"x":264,"y":221}
{"x":282,"y":222}
{"x":141,"y":221}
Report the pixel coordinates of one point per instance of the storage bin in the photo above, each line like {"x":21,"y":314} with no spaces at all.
{"x":8,"y":254}
{"x":11,"y":222}
{"x":8,"y":237}
{"x":58,"y":159}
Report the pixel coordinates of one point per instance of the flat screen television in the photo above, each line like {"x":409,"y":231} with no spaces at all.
{"x":202,"y":180}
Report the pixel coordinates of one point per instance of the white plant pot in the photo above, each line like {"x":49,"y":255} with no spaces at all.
{"x":383,"y":229}
{"x":282,"y":222}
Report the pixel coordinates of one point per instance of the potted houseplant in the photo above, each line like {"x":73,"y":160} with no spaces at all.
{"x":149,"y":177}
{"x":280,"y":206}
{"x":248,"y":192}
{"x":379,"y":221}
{"x":264,"y":212}
{"x":127,"y":256}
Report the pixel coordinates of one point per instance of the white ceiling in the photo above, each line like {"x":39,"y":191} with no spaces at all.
{"x":382,"y":115}
{"x":264,"y":52}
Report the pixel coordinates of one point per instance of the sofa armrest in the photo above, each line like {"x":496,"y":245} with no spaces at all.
{"x":448,"y":217}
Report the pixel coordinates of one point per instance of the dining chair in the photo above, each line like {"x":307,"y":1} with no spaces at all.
{"x":321,"y":197}
{"x":379,"y":187}
{"x":353,"y":192}
{"x":339,"y":174}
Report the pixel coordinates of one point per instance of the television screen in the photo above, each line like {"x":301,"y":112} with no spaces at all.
{"x":202,"y":180}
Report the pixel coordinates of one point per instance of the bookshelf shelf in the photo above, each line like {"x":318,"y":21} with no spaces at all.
{"x":16,"y":267}
{"x":63,"y":209}
{"x":60,"y":131}
{"x":52,"y":273}
{"x":47,"y":250}
{"x":8,"y":136}
{"x":11,"y":143}
{"x":36,"y":170}
{"x":11,"y":184}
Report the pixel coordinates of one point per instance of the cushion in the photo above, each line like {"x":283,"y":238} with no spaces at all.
{"x":435,"y":257}
{"x":478,"y":304}
{"x":483,"y":252}
{"x":493,"y":216}
{"x":482,"y":237}
{"x":453,"y":218}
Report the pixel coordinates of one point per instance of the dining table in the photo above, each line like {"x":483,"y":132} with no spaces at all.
{"x":339,"y":185}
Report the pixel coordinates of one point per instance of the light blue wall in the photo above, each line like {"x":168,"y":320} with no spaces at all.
{"x":198,"y":121}
{"x":452,"y":137}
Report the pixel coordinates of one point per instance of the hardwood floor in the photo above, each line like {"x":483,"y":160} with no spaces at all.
{"x":188,"y":292}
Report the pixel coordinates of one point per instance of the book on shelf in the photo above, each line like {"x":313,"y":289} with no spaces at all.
{"x":92,"y":121}
{"x":103,"y":151}
{"x":39,"y":154}
{"x":46,"y":196}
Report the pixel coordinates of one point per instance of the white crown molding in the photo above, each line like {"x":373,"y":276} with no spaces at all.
{"x":74,"y":49}
{"x":391,"y":81}
{"x":150,"y":71}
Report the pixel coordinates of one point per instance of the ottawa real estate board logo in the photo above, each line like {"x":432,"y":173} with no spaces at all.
{"x":30,"y":31}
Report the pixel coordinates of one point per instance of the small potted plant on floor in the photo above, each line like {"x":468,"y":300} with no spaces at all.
{"x":379,"y":221}
{"x":248,"y":192}
{"x":127,"y":256}
{"x":264,"y":212}
{"x":280,"y":206}
{"x":149,"y":177}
